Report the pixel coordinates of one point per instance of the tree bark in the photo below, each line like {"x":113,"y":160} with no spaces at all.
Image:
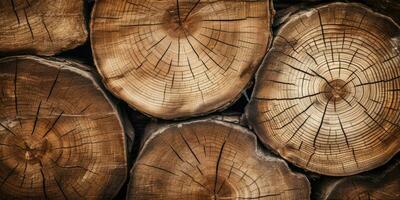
{"x":387,"y":7}
{"x":366,"y":187}
{"x":61,"y":137}
{"x":180,"y":59}
{"x":209,"y":159}
{"x":43,"y":27}
{"x":327,"y":96}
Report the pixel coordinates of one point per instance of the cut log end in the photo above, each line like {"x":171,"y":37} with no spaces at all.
{"x":209,"y":159}
{"x":182,"y":58}
{"x":42,"y":27}
{"x":327,"y":97}
{"x":364,"y":187}
{"x":60,"y":136}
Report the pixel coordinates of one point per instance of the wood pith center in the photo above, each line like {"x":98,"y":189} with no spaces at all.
{"x":336,"y":90}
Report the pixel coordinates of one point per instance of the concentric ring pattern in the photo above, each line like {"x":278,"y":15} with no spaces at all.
{"x":60,"y":138}
{"x":328,"y":96}
{"x":174,"y":59}
{"x":41,"y":27}
{"x":209,"y":159}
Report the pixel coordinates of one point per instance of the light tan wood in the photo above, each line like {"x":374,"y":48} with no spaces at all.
{"x":382,"y":186}
{"x":208,"y":159}
{"x":327,"y":97}
{"x":60,"y":135}
{"x":43,"y":27}
{"x":173,"y":59}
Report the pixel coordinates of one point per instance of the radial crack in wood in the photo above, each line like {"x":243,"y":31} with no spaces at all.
{"x":208,"y":159}
{"x":61,"y":137}
{"x":384,"y":185}
{"x":174,"y":59}
{"x":327,"y":95}
{"x":43,"y":27}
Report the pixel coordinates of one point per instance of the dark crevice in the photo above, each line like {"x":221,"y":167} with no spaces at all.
{"x":194,"y":180}
{"x":8,"y":175}
{"x":288,"y":98}
{"x":36,"y":118}
{"x":191,"y":10}
{"x":60,"y":188}
{"x":295,"y":68}
{"x":73,"y":167}
{"x":15,"y":11}
{"x":179,"y":12}
{"x":322,"y":27}
{"x":176,"y":153}
{"x":15,"y":87}
{"x":149,"y":24}
{"x":291,"y":121}
{"x":165,"y":52}
{"x":344,"y":132}
{"x":24,"y":173}
{"x":190,"y":148}
{"x":53,"y":85}
{"x":29,"y":25}
{"x":54,"y":123}
{"x":7,"y":129}
{"x":217,"y":166}
{"x":159,"y":168}
{"x":43,"y":183}
{"x":297,"y":130}
{"x":47,"y":31}
{"x":322,"y":122}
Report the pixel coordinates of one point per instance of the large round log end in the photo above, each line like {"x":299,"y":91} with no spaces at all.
{"x":179,"y":59}
{"x":210,"y":159}
{"x":60,"y":135}
{"x":327,"y":97}
{"x":42,"y":27}
{"x":382,"y":185}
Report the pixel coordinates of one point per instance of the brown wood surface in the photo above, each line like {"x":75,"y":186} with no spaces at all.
{"x":60,"y":135}
{"x":173,"y":59}
{"x":43,"y":27}
{"x":209,"y":159}
{"x":327,"y":97}
{"x":377,"y":186}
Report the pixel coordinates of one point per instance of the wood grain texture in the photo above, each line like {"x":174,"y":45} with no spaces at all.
{"x":327,"y":97}
{"x":173,"y":59}
{"x":382,"y":186}
{"x":60,"y":135}
{"x":43,"y":27}
{"x":208,"y":159}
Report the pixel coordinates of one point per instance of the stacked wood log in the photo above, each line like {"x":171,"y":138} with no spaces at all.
{"x":384,"y":185}
{"x":390,"y":8}
{"x":179,"y":59}
{"x":210,"y":159}
{"x":325,"y":103}
{"x":43,"y":27}
{"x":327,"y":97}
{"x":60,"y":135}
